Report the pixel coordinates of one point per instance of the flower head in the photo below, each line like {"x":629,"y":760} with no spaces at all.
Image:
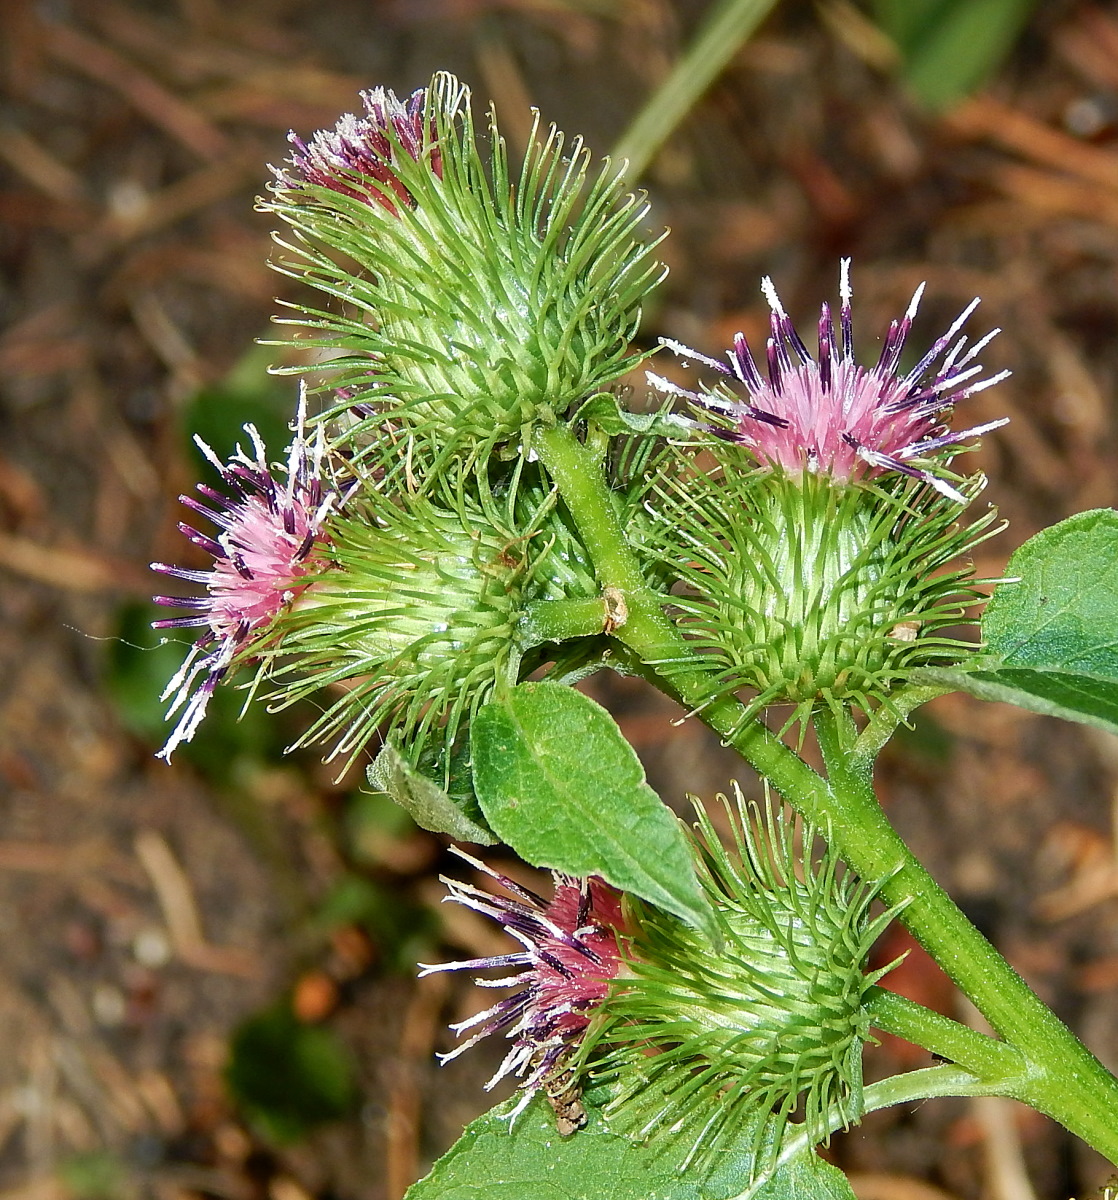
{"x":832,"y":416}
{"x":269,"y":534}
{"x":766,"y":1024}
{"x":570,"y":955}
{"x":548,"y":263}
{"x":357,"y":156}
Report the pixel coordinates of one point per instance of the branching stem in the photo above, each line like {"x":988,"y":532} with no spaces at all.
{"x":1060,"y":1077}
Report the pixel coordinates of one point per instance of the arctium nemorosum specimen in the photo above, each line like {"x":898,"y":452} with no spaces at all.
{"x":415,"y":620}
{"x":809,"y":591}
{"x":820,"y":550}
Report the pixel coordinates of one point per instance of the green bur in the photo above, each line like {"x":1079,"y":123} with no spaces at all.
{"x":765,"y":1022}
{"x":495,"y":299}
{"x":810,"y":590}
{"x":414,"y":621}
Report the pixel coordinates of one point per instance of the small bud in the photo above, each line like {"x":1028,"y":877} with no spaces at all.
{"x":476,"y":300}
{"x":414,"y":620}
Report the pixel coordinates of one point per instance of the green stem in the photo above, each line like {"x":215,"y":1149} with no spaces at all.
{"x":1064,"y":1079}
{"x":926,"y":1084}
{"x":883,"y":724}
{"x":562,"y":620}
{"x":982,"y":1056}
{"x":724,"y":29}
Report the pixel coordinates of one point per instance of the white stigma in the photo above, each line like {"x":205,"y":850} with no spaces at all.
{"x":768,"y":289}
{"x":846,"y":292}
{"x":914,"y":303}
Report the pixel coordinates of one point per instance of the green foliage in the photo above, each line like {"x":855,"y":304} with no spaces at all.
{"x":432,"y":807}
{"x":810,"y":591}
{"x":289,"y":1077}
{"x":950,"y":47}
{"x":531,"y":1162}
{"x":605,"y":412}
{"x":1051,"y":629}
{"x":560,"y":784}
{"x":95,"y":1175}
{"x":495,"y":298}
{"x":765,"y":1020}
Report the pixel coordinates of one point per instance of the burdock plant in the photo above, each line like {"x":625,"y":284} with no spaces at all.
{"x":473,"y":521}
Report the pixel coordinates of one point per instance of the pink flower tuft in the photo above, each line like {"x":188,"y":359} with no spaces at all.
{"x":357,"y":156}
{"x":830,"y":415}
{"x":270,"y":534}
{"x":570,"y":955}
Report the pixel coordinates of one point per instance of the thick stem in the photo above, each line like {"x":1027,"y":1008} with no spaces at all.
{"x":982,"y":1056}
{"x":562,"y":620}
{"x":1064,"y":1079}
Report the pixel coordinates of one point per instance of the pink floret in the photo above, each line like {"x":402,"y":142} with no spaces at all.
{"x":831,"y":416}
{"x":269,"y":533}
{"x":570,"y":955}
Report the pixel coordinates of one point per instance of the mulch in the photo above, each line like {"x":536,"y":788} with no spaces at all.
{"x":145,"y":911}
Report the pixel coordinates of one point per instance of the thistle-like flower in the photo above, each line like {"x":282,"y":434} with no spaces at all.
{"x":468,"y":300}
{"x":824,"y":550}
{"x":769,"y":1023}
{"x":832,"y":416}
{"x":357,"y":157}
{"x":694,"y":1040}
{"x":269,"y":534}
{"x":570,"y":954}
{"x":416,"y":617}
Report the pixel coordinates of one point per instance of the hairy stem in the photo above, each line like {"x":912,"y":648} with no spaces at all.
{"x":984,"y":1057}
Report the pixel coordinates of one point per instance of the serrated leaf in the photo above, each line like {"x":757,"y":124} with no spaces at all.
{"x":532,"y":1162}
{"x":604,"y":410}
{"x":557,"y":781}
{"x":1052,"y":634}
{"x":428,"y":804}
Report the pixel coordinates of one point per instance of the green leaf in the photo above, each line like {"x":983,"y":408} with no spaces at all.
{"x":428,"y":804}
{"x":532,"y":1162}
{"x":1052,"y":634}
{"x":557,"y":781}
{"x":950,"y":47}
{"x":611,"y":418}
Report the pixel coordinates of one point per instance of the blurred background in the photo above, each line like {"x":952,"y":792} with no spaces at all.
{"x":207,"y":981}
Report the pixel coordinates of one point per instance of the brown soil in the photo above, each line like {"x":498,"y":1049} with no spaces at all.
{"x":144,"y":911}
